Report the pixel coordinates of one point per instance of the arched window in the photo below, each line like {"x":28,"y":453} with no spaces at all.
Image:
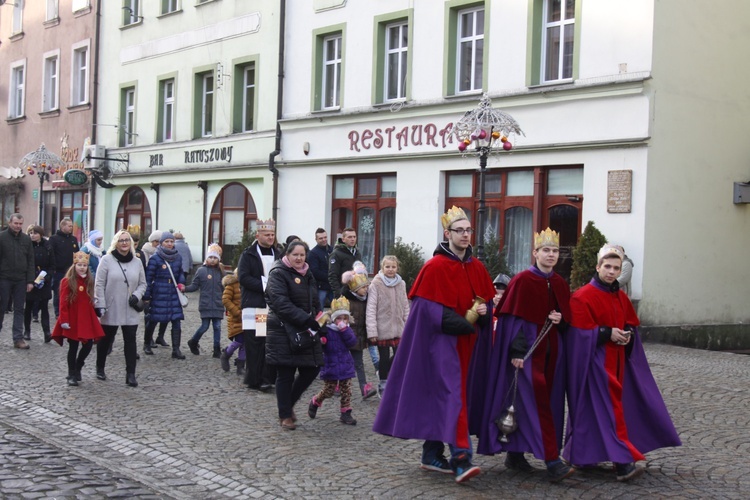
{"x":231,"y":216}
{"x":134,"y":210}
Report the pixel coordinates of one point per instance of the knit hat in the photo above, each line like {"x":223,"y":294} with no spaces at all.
{"x":166,"y":235}
{"x":156,"y":235}
{"x":339,"y":307}
{"x":95,"y":234}
{"x":214,"y":250}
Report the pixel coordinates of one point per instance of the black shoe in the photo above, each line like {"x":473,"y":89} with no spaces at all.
{"x":193,"y":345}
{"x":160,"y":341}
{"x":137,"y":356}
{"x":147,"y":349}
{"x":77,"y":375}
{"x":516,"y":461}
{"x":265,"y":388}
{"x":130,"y":380}
{"x":72,"y":380}
{"x":559,"y":471}
{"x":100,"y":375}
{"x":346,"y":418}
{"x":240,"y":367}
{"x":217,"y":352}
{"x":35,"y":320}
{"x":626,"y":472}
{"x":47,"y":337}
{"x":224,"y":357}
{"x":312,"y":409}
{"x":27,"y":335}
{"x":176,"y":354}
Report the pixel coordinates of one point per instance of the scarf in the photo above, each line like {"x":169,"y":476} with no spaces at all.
{"x":390,"y":282}
{"x":122,"y":258}
{"x":614,"y":287}
{"x":167,"y":255}
{"x":302,"y":271}
{"x":93,"y":249}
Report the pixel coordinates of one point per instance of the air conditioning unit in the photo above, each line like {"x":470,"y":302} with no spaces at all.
{"x":93,"y":158}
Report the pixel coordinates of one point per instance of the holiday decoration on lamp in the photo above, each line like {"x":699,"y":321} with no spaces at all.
{"x":485,"y":127}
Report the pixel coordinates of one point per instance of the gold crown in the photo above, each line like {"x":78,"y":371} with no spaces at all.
{"x":608,"y":251}
{"x":340,"y":304}
{"x":547,"y":238}
{"x":134,"y":229}
{"x":266,"y":225}
{"x":80,"y":257}
{"x":452,"y":215}
{"x":358,"y":281}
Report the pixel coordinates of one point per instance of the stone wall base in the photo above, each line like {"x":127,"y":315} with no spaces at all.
{"x":734,"y":337}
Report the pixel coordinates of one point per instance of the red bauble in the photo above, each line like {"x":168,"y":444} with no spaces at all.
{"x":462,"y":146}
{"x":482,"y":134}
{"x":507,"y":146}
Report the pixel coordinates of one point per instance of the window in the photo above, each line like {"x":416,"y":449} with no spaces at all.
{"x":168,"y":6}
{"x":7,"y":207}
{"x":52,"y":10}
{"x":558,"y":39}
{"x":75,"y":206}
{"x":243,"y":117}
{"x":515,"y":210}
{"x":80,"y":74}
{"x":470,"y":50}
{"x":130,"y":12}
{"x":17,"y":26}
{"x":80,"y":5}
{"x":134,"y":210}
{"x":205,"y":85}
{"x":368,"y":204}
{"x":165,"y":130}
{"x":16,"y":96}
{"x":233,"y":213}
{"x":51,"y":84}
{"x":396,"y":52}
{"x":127,"y":114}
{"x":331,"y":71}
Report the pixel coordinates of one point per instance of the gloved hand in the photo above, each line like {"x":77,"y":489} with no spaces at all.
{"x":372,"y":341}
{"x":65,"y":326}
{"x":100,"y":311}
{"x":133,"y":300}
{"x":312,"y":324}
{"x":181,"y":287}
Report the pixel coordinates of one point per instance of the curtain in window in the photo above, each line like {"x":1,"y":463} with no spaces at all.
{"x":518,"y":238}
{"x":387,"y":233}
{"x":366,"y":236}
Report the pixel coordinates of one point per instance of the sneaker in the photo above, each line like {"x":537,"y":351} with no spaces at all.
{"x":368,"y":391}
{"x":516,"y":461}
{"x":626,"y":472}
{"x":193,"y":345}
{"x":346,"y":418}
{"x":312,"y":408}
{"x":437,"y":464}
{"x":559,"y":470}
{"x":463,"y":468}
{"x":224,"y":358}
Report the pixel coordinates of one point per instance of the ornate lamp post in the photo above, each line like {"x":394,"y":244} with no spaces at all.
{"x":41,"y":163}
{"x":488,"y":129}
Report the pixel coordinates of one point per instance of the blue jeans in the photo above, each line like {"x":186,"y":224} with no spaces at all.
{"x":359,"y":367}
{"x":204,"y":327}
{"x":431,"y":449}
{"x":375,"y":356}
{"x":322,"y":296}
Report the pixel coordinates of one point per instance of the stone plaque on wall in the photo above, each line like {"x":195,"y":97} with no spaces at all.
{"x":619,"y":191}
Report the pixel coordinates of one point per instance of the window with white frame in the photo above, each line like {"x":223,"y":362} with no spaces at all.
{"x":168,"y":6}
{"x":128,"y":125}
{"x":80,"y":5}
{"x":248,"y":97}
{"x":166,"y":93}
{"x":396,"y":53}
{"x":17,"y":26}
{"x":52,"y":10}
{"x":130,"y":12}
{"x":207,"y":104}
{"x":558,"y":40}
{"x":331,"y":71}
{"x":16,"y":96}
{"x":79,"y":88}
{"x":51,"y":82}
{"x":470,"y":50}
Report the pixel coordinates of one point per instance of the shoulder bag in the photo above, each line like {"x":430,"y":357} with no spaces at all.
{"x":183,"y":298}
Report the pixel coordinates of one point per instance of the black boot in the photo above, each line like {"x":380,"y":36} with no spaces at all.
{"x":193,"y":345}
{"x":77,"y":372}
{"x":130,"y":380}
{"x":217,"y":351}
{"x":160,"y":340}
{"x":147,"y":348}
{"x":176,"y":354}
{"x":71,"y":378}
{"x":240,"y":364}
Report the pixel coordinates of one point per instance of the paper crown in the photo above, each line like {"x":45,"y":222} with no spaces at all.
{"x":547,"y":238}
{"x":339,"y":307}
{"x":81,"y":257}
{"x":266,"y":225}
{"x":133,"y":229}
{"x":452,"y":215}
{"x":609,"y":251}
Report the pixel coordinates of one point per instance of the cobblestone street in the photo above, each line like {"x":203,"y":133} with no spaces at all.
{"x":192,"y":431}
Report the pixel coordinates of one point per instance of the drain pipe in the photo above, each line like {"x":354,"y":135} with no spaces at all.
{"x":279,"y":112}
{"x":94,"y":110}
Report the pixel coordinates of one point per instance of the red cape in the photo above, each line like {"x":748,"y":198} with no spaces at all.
{"x":532,"y":283}
{"x":593,"y":308}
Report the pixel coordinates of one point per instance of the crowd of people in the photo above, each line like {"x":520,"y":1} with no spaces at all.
{"x":461,"y":355}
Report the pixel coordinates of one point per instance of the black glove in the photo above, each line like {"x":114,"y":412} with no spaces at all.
{"x":99,"y":312}
{"x":133,"y":300}
{"x":312,"y":324}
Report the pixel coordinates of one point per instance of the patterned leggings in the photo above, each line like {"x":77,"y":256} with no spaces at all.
{"x":329,"y":388}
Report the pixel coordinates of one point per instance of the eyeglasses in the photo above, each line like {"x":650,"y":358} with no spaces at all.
{"x":123,"y":241}
{"x":467,"y":230}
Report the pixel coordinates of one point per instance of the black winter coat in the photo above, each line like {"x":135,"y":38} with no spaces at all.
{"x":44,"y":260}
{"x":249,"y":272}
{"x":63,"y":246}
{"x":292,"y":298}
{"x":341,"y":261}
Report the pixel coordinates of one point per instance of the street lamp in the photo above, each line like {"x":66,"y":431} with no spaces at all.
{"x":487,"y":128}
{"x":41,"y":163}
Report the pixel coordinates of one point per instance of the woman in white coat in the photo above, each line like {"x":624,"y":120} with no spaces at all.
{"x":118,"y":290}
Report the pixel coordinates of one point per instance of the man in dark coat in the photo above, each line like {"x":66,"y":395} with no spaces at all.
{"x":342,"y":258}
{"x":16,"y":274}
{"x":426,"y":396}
{"x":64,"y":245}
{"x":318,"y":261}
{"x":252,"y":271}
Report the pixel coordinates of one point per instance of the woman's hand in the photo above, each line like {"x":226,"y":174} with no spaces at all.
{"x":517,"y":362}
{"x":555,"y":317}
{"x":181,"y":287}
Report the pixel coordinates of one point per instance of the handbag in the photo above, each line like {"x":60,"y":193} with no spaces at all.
{"x":300,"y":340}
{"x":183,"y":298}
